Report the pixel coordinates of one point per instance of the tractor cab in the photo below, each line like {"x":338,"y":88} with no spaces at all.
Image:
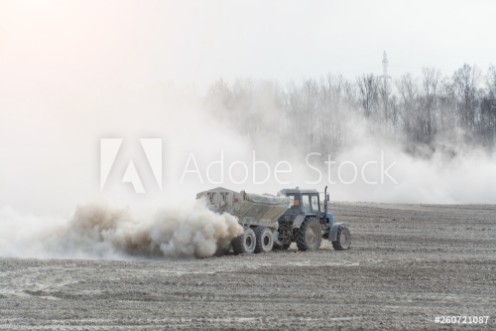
{"x":308,"y":203}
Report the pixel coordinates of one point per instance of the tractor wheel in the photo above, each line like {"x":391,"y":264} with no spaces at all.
{"x":343,"y":241}
{"x":309,"y":235}
{"x":244,"y":243}
{"x":265,"y":241}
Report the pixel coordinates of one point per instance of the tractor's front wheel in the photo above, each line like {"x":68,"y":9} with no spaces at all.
{"x":309,"y":235}
{"x":244,"y":243}
{"x":343,"y":239}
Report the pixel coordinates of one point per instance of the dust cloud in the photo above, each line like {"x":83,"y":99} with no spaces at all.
{"x":451,"y":172}
{"x":372,"y":161}
{"x":101,"y":231}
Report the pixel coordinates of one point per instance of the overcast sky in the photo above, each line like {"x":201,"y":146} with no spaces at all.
{"x":72,"y":72}
{"x":200,"y":41}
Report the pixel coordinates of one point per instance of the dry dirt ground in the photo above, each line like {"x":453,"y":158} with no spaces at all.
{"x":408,"y":264}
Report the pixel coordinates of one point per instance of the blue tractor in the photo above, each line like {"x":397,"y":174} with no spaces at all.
{"x":307,"y":221}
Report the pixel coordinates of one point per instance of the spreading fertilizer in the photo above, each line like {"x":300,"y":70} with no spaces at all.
{"x":100,"y":231}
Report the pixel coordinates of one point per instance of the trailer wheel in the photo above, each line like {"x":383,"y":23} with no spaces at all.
{"x":265,"y":241}
{"x":244,"y":243}
{"x":309,"y":235}
{"x":223,"y":250}
{"x":343,"y":240}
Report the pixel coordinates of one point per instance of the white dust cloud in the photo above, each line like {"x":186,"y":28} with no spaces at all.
{"x":100,"y":231}
{"x":453,"y":173}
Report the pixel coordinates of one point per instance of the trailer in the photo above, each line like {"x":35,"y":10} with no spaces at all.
{"x":274,"y":222}
{"x":258,"y":214}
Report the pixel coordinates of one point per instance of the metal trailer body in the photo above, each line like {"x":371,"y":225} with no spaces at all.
{"x":252,"y":210}
{"x":258,"y":214}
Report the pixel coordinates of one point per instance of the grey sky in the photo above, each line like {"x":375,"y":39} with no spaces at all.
{"x":199,"y":41}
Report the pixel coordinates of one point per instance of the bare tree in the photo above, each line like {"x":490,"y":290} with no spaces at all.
{"x":368,"y":94}
{"x":430,"y":82}
{"x":465,"y":82}
{"x":488,"y":110}
{"x":408,"y":96}
{"x":312,"y":114}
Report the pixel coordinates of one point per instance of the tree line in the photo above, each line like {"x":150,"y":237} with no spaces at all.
{"x":315,"y":114}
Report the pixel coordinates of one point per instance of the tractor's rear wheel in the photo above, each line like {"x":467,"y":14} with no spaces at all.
{"x":343,"y":239}
{"x":244,"y":243}
{"x":309,"y":235}
{"x":265,"y":241}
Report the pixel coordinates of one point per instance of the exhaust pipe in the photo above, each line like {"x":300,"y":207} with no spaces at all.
{"x":326,"y":200}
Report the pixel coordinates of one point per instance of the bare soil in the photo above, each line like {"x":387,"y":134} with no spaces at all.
{"x":408,"y":264}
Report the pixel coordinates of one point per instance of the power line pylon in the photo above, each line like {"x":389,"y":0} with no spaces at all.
{"x":385,"y":75}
